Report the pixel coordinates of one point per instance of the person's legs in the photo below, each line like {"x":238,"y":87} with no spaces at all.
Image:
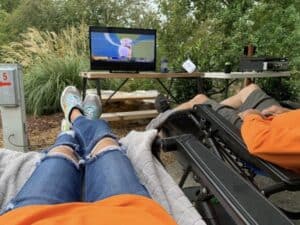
{"x":234,"y":101}
{"x":226,"y":111}
{"x":56,"y":179}
{"x":108,"y":171}
{"x":237,"y":100}
{"x":198,"y":99}
{"x":250,"y":97}
{"x":259,"y":100}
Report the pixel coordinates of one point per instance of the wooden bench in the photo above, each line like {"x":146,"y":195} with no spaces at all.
{"x":122,"y":96}
{"x":132,"y":115}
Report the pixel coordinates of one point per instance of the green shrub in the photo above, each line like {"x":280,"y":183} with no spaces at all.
{"x":282,"y":88}
{"x":45,"y":81}
{"x":51,"y":61}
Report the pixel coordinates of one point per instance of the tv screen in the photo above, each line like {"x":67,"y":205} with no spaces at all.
{"x":122,"y":49}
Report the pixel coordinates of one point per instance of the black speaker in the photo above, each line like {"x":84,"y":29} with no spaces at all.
{"x":259,"y":64}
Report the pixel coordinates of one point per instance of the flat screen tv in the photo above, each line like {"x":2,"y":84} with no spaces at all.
{"x":122,"y":49}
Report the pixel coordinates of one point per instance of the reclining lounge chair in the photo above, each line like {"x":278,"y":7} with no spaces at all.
{"x":212,"y":148}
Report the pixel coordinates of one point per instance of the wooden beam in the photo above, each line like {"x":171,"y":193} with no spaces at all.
{"x":122,"y":96}
{"x":107,"y":75}
{"x":133,"y":115}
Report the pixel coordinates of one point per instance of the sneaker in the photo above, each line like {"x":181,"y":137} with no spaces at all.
{"x":70,"y":99}
{"x":92,"y":107}
{"x":162,"y":103}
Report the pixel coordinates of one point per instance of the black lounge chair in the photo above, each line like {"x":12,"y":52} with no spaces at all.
{"x":212,"y":148}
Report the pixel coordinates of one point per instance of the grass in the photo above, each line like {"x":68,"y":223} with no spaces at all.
{"x":37,"y":46}
{"x":46,"y":80}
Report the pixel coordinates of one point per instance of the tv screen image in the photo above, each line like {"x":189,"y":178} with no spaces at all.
{"x":122,"y":49}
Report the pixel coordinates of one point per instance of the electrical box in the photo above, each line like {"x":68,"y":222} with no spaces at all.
{"x":12,"y":107}
{"x":9,"y":87}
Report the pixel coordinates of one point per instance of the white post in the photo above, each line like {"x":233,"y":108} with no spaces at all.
{"x":12,"y":107}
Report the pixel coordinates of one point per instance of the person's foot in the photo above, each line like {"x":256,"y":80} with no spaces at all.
{"x":161,"y":103}
{"x":92,"y":107}
{"x":70,"y":99}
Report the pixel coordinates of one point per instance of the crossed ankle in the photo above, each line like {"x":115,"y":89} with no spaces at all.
{"x":74,"y":114}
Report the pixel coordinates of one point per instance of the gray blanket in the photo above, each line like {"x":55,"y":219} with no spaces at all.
{"x":16,"y":167}
{"x":160,"y":119}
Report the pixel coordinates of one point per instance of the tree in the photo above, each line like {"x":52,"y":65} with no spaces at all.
{"x":8,"y":5}
{"x":55,"y":15}
{"x":213,"y":32}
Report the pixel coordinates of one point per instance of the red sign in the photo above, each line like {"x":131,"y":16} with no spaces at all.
{"x":3,"y":84}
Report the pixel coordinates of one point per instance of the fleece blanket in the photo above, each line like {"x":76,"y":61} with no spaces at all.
{"x":16,"y":168}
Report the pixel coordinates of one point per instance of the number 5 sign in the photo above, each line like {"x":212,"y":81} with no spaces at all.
{"x":4,"y":80}
{"x":8,"y":90}
{"x":12,"y":107}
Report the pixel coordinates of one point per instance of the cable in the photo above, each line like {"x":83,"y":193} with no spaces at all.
{"x":21,"y":146}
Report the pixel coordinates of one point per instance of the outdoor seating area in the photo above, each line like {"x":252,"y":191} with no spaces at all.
{"x":161,"y":112}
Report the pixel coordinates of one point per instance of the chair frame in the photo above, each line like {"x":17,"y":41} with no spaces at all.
{"x":204,"y":142}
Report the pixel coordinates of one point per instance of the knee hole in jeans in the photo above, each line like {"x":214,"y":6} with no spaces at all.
{"x":103,"y":145}
{"x":64,"y":151}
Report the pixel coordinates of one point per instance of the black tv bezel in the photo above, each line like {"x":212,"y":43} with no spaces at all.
{"x":122,"y":66}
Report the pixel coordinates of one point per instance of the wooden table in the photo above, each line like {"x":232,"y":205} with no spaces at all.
{"x":97,"y":76}
{"x":242,"y":75}
{"x":239,"y":75}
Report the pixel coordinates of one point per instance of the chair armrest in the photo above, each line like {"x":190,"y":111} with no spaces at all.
{"x":242,"y":201}
{"x":290,"y":104}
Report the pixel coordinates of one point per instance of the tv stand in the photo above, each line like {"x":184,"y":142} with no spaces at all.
{"x":98,"y":75}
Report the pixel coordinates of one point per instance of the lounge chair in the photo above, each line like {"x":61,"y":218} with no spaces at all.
{"x":212,"y":148}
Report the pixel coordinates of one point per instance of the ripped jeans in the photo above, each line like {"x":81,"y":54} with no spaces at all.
{"x":57,"y":179}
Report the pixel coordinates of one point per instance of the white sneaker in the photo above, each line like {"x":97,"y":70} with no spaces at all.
{"x":92,"y":106}
{"x":70,"y":99}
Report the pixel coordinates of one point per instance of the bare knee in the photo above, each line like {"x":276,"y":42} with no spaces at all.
{"x":246,"y":91}
{"x":199,"y":99}
{"x":249,"y":89}
{"x":65,"y":151}
{"x":104,"y":144}
{"x":252,"y":87}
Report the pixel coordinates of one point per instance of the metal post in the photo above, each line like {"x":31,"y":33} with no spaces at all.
{"x":12,"y":107}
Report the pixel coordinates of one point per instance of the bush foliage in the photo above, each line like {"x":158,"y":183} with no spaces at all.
{"x":212,"y":33}
{"x":52,"y":62}
{"x":46,"y":80}
{"x":54,"y":48}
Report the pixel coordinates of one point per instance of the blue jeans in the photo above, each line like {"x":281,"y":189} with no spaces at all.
{"x":57,"y":179}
